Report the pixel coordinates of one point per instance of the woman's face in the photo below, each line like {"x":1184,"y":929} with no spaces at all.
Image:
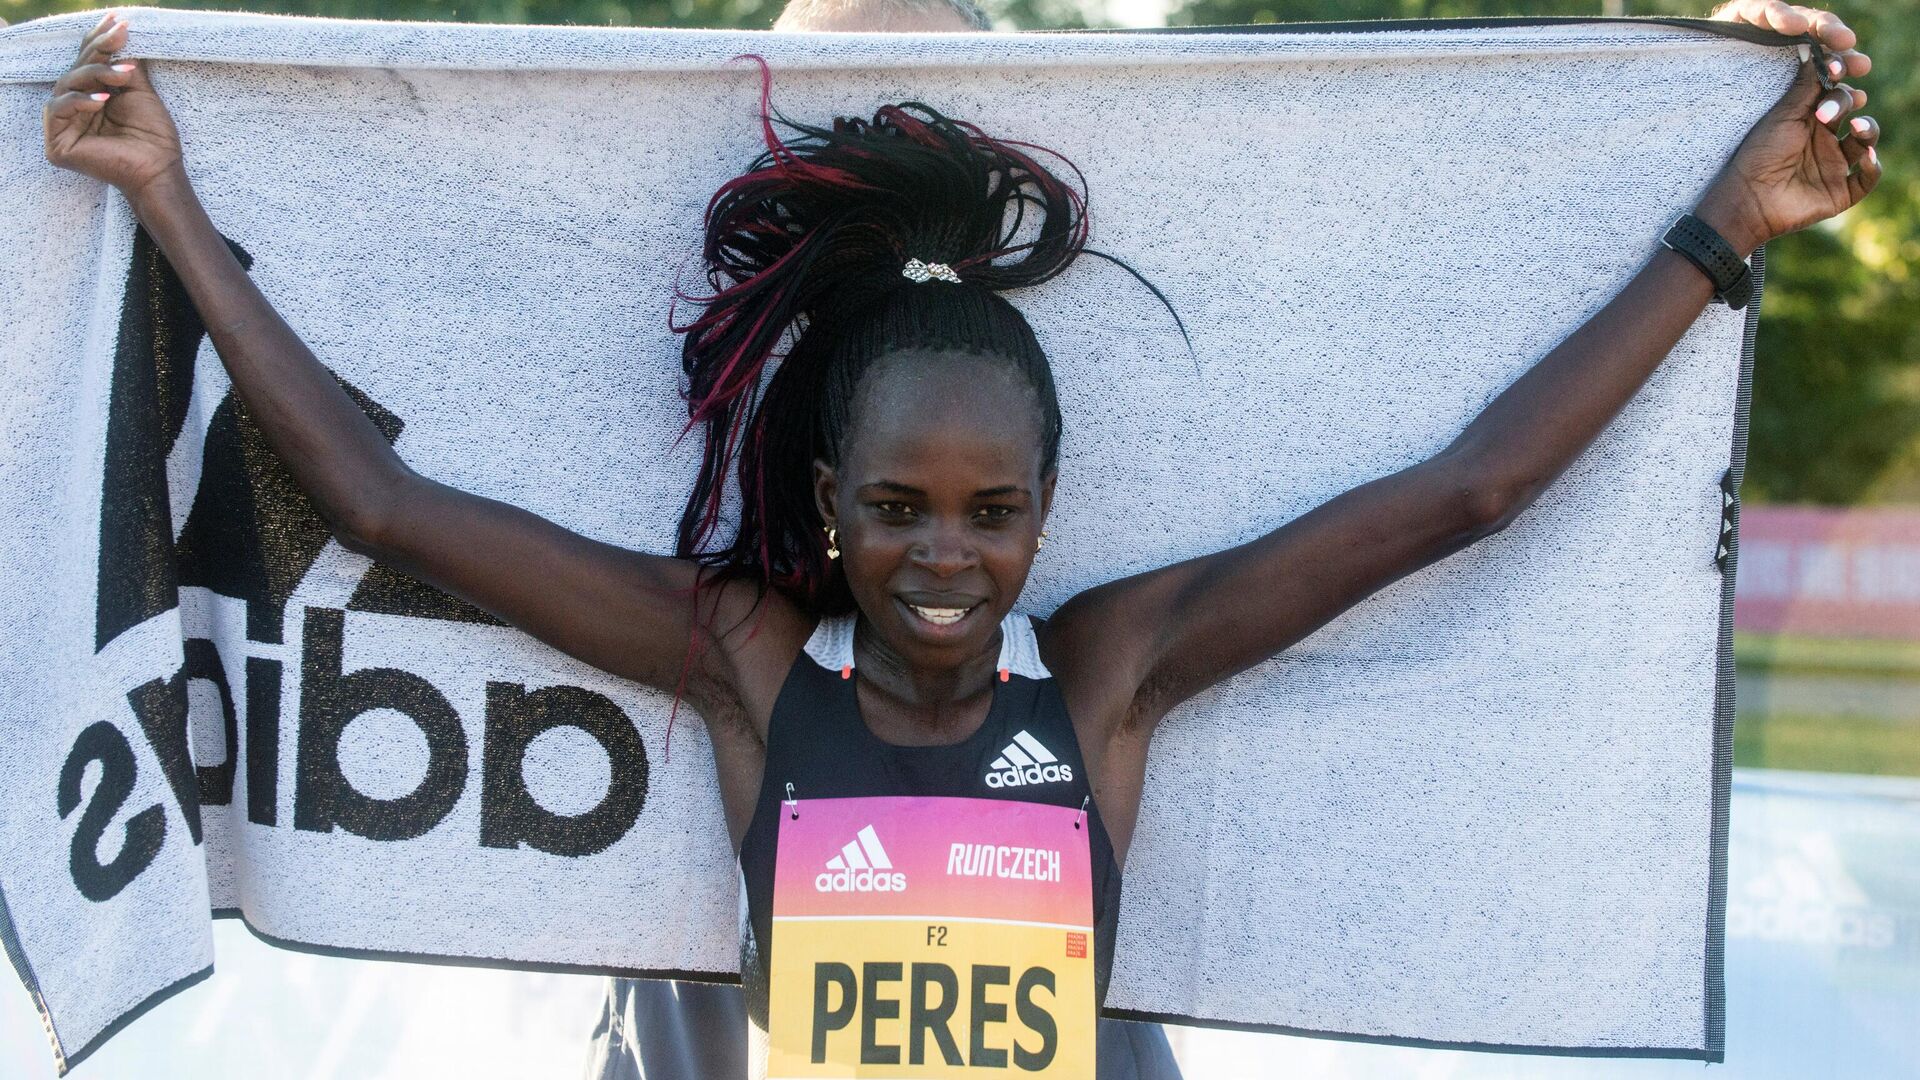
{"x":938,"y":501}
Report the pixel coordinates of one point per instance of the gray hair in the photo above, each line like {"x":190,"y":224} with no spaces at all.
{"x":881,"y":12}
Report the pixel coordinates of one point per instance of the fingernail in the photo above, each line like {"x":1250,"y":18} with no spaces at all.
{"x":1805,"y":50}
{"x":1862,"y":125}
{"x":1827,"y":111}
{"x":99,"y":97}
{"x":1835,"y":67}
{"x":1873,"y":156}
{"x":129,"y":67}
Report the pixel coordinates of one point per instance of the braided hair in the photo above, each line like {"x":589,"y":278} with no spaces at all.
{"x":807,"y":248}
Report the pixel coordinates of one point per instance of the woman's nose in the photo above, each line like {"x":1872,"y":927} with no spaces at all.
{"x":945,"y":551}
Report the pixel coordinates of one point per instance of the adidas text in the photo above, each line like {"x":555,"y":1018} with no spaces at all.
{"x":861,"y":881}
{"x":1032,"y":774}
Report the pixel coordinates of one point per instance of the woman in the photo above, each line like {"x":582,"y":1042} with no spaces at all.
{"x":852,"y":645}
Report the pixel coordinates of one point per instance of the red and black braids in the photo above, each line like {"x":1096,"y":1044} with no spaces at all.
{"x":808,"y":246}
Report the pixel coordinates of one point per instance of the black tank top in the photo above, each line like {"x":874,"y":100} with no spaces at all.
{"x":817,"y":742}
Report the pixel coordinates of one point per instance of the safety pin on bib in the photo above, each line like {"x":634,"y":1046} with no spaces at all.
{"x":1084,"y":800}
{"x":793,"y":805}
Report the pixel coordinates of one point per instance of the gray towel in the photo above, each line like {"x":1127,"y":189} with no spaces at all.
{"x":1484,"y":808}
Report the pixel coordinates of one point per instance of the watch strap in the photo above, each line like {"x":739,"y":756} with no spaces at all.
{"x":1703,"y":246}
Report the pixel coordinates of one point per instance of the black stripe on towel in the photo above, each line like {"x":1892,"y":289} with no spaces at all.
{"x":1743,"y":31}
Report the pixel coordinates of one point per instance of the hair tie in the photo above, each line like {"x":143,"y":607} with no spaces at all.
{"x":922,"y":271}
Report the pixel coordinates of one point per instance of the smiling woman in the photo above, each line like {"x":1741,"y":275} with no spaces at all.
{"x":894,"y":479}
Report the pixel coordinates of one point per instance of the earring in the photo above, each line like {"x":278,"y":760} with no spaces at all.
{"x":832,"y":551}
{"x":1041,"y":542}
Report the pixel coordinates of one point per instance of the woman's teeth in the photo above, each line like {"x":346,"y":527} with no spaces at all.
{"x":940,"y":616}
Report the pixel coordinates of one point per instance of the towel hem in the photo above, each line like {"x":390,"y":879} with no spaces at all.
{"x":496,"y":963}
{"x":1715,"y":1020}
{"x":1744,"y":31}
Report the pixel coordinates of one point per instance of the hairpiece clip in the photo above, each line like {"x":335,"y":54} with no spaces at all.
{"x":922,"y":271}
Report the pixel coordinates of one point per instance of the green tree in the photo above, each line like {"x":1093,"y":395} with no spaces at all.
{"x":754,"y":14}
{"x":717,"y":14}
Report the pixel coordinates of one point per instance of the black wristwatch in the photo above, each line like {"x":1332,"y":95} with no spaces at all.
{"x":1704,"y":247}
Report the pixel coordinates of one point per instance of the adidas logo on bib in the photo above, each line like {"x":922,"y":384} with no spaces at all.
{"x":1025,"y":761}
{"x":861,"y":866}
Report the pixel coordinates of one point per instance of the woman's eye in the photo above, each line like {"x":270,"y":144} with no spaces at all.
{"x":997,"y":514}
{"x":894,"y":509}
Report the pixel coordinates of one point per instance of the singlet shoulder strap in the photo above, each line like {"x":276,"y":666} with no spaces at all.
{"x":1019,"y":649}
{"x":831,"y":643}
{"x":831,"y":646}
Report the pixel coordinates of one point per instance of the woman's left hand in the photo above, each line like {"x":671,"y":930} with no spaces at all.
{"x":1806,"y":160}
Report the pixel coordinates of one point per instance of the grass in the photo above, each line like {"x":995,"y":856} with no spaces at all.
{"x":1830,"y":656}
{"x":1827,"y":743}
{"x":1848,"y":744}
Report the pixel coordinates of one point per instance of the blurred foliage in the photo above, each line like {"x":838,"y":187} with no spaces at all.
{"x":718,"y":14}
{"x":751,"y":14}
{"x":1836,"y":409}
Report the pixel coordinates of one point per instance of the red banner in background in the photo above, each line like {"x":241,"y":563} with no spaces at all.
{"x":1828,"y":572}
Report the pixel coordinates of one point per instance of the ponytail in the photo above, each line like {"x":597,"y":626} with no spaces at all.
{"x":807,"y":249}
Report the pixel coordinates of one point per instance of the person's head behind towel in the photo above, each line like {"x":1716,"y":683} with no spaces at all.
{"x":919,"y":419}
{"x":881,"y":16}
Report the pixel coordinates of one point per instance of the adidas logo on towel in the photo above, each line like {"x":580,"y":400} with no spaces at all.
{"x":861,"y":866}
{"x":1025,"y":761}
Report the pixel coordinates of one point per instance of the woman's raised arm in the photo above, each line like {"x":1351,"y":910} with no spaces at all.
{"x":623,"y":611}
{"x":1131,"y":649}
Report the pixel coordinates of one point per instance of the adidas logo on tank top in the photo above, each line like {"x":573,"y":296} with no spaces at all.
{"x":1026,"y":761}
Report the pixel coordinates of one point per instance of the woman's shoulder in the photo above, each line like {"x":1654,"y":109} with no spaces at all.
{"x":756,"y":633}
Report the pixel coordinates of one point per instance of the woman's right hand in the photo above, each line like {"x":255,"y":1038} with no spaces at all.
{"x":105,"y":121}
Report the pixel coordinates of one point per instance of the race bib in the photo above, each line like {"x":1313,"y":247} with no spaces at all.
{"x":931,"y":937}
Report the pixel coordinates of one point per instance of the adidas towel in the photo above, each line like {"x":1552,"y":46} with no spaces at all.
{"x":1486,"y":808}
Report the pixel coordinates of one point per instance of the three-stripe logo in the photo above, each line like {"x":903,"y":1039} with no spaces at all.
{"x":1026,"y":761}
{"x":861,"y":866}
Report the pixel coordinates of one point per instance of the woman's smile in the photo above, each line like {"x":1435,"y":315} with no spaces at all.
{"x":944,"y":622}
